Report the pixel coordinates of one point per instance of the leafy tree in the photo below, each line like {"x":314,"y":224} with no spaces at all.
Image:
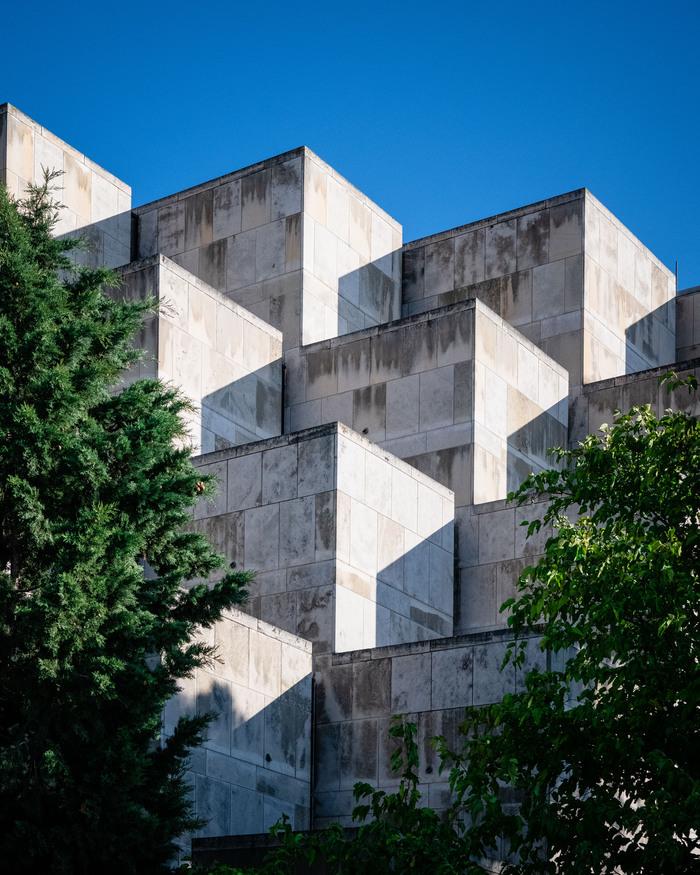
{"x":93,"y":491}
{"x":603,"y":751}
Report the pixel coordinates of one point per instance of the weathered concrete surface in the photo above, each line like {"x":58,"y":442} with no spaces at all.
{"x":688,"y":324}
{"x":255,"y":764}
{"x":95,"y":202}
{"x":494,"y":551}
{"x":431,"y":683}
{"x":457,"y":392}
{"x":290,"y":240}
{"x":227,"y":361}
{"x":565,"y":272}
{"x":596,"y":403}
{"x":352,"y":546}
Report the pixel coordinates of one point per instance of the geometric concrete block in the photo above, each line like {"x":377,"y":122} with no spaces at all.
{"x":352,"y":546}
{"x":566,"y":272}
{"x":457,"y":392}
{"x":255,"y":763}
{"x":287,"y":238}
{"x":94,"y":201}
{"x":227,"y":361}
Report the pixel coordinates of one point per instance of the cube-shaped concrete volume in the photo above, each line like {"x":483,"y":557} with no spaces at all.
{"x":566,"y":272}
{"x":227,"y":361}
{"x":290,"y":240}
{"x":456,"y":391}
{"x":255,"y":763}
{"x":352,"y":547}
{"x":94,"y":202}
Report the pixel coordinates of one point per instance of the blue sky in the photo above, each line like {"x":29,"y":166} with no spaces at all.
{"x":442,"y":113}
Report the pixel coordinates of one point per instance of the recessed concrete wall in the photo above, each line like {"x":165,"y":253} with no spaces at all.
{"x":94,"y":201}
{"x":431,"y":683}
{"x":227,"y":361}
{"x":688,"y":325}
{"x":565,"y":272}
{"x":596,"y":404}
{"x":351,"y":546}
{"x":494,"y":551}
{"x":255,"y":764}
{"x":287,"y":238}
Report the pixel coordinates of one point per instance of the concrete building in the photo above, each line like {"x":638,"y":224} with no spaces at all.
{"x":366,"y":405}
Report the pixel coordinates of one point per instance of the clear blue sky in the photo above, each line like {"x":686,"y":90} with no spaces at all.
{"x":443,"y":113}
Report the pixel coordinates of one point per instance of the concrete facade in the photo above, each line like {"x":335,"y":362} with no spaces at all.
{"x":366,"y":406}
{"x":225,"y":359}
{"x":94,"y":202}
{"x":688,"y":324}
{"x":352,"y":547}
{"x":255,"y":764}
{"x":566,"y":272}
{"x":455,"y":391}
{"x":287,"y":238}
{"x":430,"y":683}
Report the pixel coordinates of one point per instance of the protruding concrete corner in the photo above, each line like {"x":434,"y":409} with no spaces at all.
{"x":457,"y":392}
{"x":225,"y":359}
{"x":352,"y":547}
{"x":290,"y":240}
{"x":255,"y":764}
{"x":94,"y":202}
{"x":564,"y":271}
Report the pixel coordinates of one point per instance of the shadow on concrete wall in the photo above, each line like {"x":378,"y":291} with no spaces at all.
{"x":106,"y":243}
{"x":255,"y":763}
{"x":415,"y":593}
{"x":369,"y":295}
{"x":247,"y":409}
{"x":529,"y":447}
{"x":651,"y":341}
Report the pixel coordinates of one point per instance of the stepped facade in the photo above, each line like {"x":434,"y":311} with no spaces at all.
{"x":366,"y":405}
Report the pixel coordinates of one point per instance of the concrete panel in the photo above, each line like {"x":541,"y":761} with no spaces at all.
{"x":258,"y":747}
{"x":351,"y":546}
{"x":226,"y":360}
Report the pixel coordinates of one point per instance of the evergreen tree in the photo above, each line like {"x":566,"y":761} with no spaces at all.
{"x":93,"y":490}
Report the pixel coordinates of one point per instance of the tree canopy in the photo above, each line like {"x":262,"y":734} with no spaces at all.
{"x":95,"y":626}
{"x":603,"y":749}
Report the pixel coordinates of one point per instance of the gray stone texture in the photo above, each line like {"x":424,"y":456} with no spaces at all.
{"x":688,"y":324}
{"x":457,"y":392}
{"x":565,"y":272}
{"x":596,"y":403}
{"x":287,"y":238}
{"x":352,"y":547}
{"x":431,"y":683}
{"x":255,"y":763}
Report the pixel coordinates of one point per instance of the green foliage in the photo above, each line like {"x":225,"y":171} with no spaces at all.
{"x":396,"y":832}
{"x":601,"y":752}
{"x":93,"y":491}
